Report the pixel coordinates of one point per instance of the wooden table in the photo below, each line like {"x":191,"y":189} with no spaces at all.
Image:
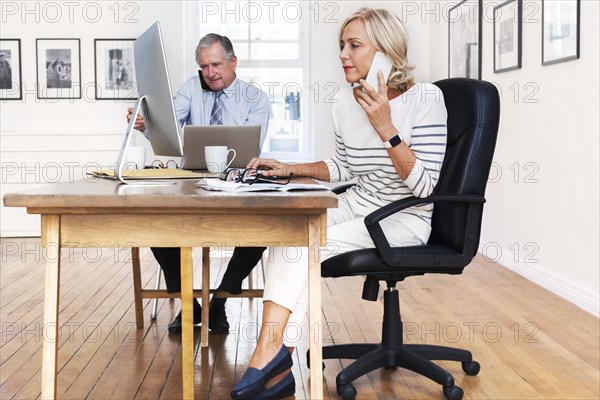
{"x":106,"y":214}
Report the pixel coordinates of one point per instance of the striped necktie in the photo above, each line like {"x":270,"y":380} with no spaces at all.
{"x":216,"y":115}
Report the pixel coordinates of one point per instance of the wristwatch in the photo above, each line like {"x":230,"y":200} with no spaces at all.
{"x":393,"y":141}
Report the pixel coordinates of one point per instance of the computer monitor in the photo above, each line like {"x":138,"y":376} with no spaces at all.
{"x":155,"y":102}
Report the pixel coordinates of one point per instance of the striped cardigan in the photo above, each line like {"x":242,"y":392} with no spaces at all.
{"x":419,"y":114}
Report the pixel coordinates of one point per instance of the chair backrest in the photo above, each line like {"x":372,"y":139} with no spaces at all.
{"x":473,"y":118}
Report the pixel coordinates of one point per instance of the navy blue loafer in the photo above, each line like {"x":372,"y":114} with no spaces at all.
{"x":285,"y":388}
{"x":254,"y":379}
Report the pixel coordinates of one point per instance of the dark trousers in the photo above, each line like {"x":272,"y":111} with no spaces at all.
{"x":242,"y":262}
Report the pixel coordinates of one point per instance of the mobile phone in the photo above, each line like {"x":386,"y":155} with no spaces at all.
{"x":203,"y":82}
{"x":380,"y":63}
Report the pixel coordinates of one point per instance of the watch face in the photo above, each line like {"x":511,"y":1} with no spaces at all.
{"x":395,"y":140}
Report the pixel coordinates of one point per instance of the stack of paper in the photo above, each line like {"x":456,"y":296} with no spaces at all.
{"x":222,"y":186}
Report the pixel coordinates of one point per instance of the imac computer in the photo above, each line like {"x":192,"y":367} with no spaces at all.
{"x":155,"y":102}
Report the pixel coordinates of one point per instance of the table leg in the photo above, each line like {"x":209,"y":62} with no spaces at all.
{"x":137,"y":287}
{"x":314,"y":294}
{"x":187,"y":324}
{"x":51,"y":245}
{"x":205,"y":296}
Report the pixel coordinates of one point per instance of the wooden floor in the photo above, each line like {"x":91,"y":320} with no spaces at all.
{"x":531,"y":344}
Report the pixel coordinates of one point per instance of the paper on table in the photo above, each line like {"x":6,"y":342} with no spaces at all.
{"x":222,"y":186}
{"x":153,"y":173}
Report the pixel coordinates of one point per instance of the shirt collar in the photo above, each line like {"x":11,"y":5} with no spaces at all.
{"x":231,"y":89}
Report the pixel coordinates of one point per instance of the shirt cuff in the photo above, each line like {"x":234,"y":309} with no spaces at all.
{"x":334,"y":170}
{"x":415,"y":176}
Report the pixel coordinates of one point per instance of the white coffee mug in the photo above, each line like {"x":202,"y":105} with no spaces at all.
{"x":216,"y":158}
{"x":135,"y":158}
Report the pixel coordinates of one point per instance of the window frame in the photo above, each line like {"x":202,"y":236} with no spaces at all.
{"x":192,"y":33}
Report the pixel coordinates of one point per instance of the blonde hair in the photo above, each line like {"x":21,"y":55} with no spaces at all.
{"x":388,"y":35}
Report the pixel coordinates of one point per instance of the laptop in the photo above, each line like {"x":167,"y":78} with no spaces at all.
{"x":245,"y":139}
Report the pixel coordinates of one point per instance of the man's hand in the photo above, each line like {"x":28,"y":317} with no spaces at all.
{"x":139,"y":120}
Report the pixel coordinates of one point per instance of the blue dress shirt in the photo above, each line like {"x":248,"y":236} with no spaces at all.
{"x":243,"y":104}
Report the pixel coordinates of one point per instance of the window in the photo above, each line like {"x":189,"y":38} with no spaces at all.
{"x":271,"y":41}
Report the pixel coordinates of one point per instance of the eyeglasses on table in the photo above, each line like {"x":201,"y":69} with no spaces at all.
{"x":251,"y":176}
{"x":158,"y":164}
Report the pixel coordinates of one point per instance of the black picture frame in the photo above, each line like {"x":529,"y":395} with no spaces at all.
{"x":465,"y":39}
{"x":11,"y":84}
{"x":114,"y":69}
{"x":561,"y":21}
{"x":508,"y":36}
{"x":58,"y":68}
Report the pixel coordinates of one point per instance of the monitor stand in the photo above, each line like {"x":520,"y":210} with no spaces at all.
{"x":123,"y":153}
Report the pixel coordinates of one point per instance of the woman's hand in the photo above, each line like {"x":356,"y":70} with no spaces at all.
{"x":377,"y":106}
{"x":271,"y":167}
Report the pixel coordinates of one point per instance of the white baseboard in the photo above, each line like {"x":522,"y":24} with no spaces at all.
{"x":9,"y":233}
{"x":582,"y":298}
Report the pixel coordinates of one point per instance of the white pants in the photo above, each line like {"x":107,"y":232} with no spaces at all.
{"x":286,"y":272}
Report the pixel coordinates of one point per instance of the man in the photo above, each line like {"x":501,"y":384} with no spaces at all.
{"x":221,"y":99}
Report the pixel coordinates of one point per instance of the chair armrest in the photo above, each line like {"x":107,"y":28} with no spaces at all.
{"x":374,"y":228}
{"x":341,"y":189}
{"x":400,"y":205}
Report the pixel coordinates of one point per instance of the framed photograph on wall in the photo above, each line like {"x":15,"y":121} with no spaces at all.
{"x":58,"y":68}
{"x":560,"y":30}
{"x":10,"y":69}
{"x":508,"y":31}
{"x":464,"y":39}
{"x":114,"y":69}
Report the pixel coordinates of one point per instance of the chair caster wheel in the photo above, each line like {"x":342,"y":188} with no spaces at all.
{"x":471,"y":367}
{"x":348,"y":392}
{"x":453,"y":393}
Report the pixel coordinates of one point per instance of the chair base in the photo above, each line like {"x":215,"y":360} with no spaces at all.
{"x":391,"y":353}
{"x":417,"y":358}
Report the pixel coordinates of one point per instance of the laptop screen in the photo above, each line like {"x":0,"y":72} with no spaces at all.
{"x":244,"y":139}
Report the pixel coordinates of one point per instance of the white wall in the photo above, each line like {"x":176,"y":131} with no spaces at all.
{"x":543,"y":221}
{"x":43,"y":141}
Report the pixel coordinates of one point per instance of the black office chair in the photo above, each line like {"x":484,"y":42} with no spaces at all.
{"x":473,"y":117}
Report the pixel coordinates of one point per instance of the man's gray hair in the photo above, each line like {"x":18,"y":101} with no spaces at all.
{"x":212,"y":38}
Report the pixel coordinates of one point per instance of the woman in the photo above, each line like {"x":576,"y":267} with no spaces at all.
{"x":393,"y":141}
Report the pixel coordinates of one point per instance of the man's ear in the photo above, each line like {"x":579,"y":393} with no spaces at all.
{"x":234,"y":62}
